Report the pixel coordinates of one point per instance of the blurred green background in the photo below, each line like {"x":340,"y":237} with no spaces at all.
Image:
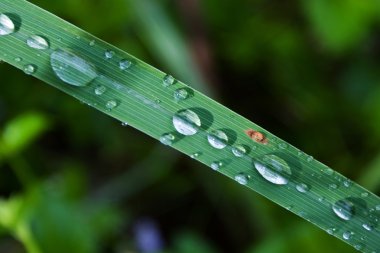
{"x":73,"y":180}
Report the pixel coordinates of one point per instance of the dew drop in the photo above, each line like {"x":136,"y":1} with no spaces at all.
{"x":241,"y":179}
{"x":111,"y":104}
{"x":344,"y":209}
{"x":92,"y":43}
{"x":274,"y":169}
{"x":217,"y":139}
{"x":333,"y":186}
{"x":124,"y":124}
{"x":239,"y":150}
{"x":216,"y":165}
{"x":368,"y":226}
{"x":359,"y":246}
{"x":6,"y":25}
{"x":125,"y":64}
{"x":195,"y":155}
{"x":302,"y":187}
{"x":309,"y":158}
{"x":186,"y":122}
{"x":37,"y":42}
{"x":167,"y":139}
{"x":364,"y":194}
{"x":180,"y":94}
{"x":30,"y":69}
{"x":18,"y":59}
{"x":347,"y":183}
{"x":168,"y":80}
{"x":109,"y":54}
{"x":331,"y":231}
{"x":347,"y":235}
{"x":100,"y":90}
{"x":71,"y":68}
{"x":283,"y":145}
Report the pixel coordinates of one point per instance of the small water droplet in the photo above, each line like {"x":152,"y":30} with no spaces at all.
{"x":329,"y":171}
{"x":239,"y":150}
{"x":331,"y":231}
{"x":274,"y":169}
{"x":364,"y":194}
{"x":100,"y":90}
{"x":92,"y":43}
{"x":359,"y":246}
{"x":124,"y":124}
{"x":167,"y":139}
{"x":71,"y":68}
{"x":344,"y":209}
{"x":168,"y":80}
{"x":347,"y":183}
{"x":37,"y":42}
{"x":309,"y":158}
{"x":111,"y":104}
{"x":347,"y":235}
{"x":216,"y":165}
{"x":6,"y":25}
{"x":241,"y":178}
{"x":368,"y":226}
{"x":186,"y":122}
{"x":109,"y":54}
{"x":30,"y":69}
{"x":217,"y":139}
{"x":18,"y":59}
{"x":302,"y":187}
{"x":195,"y":155}
{"x":180,"y":94}
{"x":125,"y":64}
{"x":283,"y":145}
{"x":333,"y":186}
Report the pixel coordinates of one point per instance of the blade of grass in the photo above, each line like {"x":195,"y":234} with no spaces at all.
{"x":137,"y":95}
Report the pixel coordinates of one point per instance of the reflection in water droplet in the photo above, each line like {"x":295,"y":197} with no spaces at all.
{"x":274,"y":169}
{"x":347,"y":235}
{"x":186,"y":122}
{"x":180,"y":94}
{"x":6,"y":25}
{"x":344,"y":209}
{"x":168,"y":80}
{"x":368,"y":226}
{"x":217,"y":139}
{"x":111,"y":104}
{"x":216,"y":165}
{"x":100,"y":90}
{"x":239,"y":150}
{"x":37,"y":42}
{"x":125,"y":64}
{"x":109,"y":54}
{"x":71,"y":68}
{"x":167,"y":139}
{"x":30,"y":69}
{"x":241,"y":179}
{"x":302,"y":187}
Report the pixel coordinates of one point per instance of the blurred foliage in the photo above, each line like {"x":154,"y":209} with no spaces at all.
{"x":73,"y":180}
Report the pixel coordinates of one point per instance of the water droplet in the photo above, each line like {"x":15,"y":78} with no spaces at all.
{"x":37,"y":42}
{"x":239,"y":150}
{"x":92,"y":43}
{"x":364,"y":194}
{"x":186,"y":122}
{"x":111,"y":104}
{"x":71,"y":68}
{"x":216,"y":165}
{"x":368,"y":226}
{"x":347,"y":235}
{"x":30,"y":69}
{"x":109,"y":54}
{"x":168,"y":80}
{"x":124,"y":124}
{"x":18,"y":59}
{"x":377,"y":207}
{"x":331,"y":231}
{"x":358,"y":246}
{"x":195,"y":155}
{"x":329,"y":171}
{"x":274,"y":169}
{"x":344,"y":209}
{"x":283,"y":145}
{"x":347,"y":183}
{"x":167,"y":139}
{"x":302,"y":187}
{"x":241,"y":179}
{"x":100,"y":90}
{"x":217,"y":139}
{"x":181,"y":94}
{"x":309,"y":158}
{"x":333,"y":186}
{"x":125,"y":64}
{"x":6,"y":25}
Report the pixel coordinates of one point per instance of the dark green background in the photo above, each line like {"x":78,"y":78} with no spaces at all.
{"x":77,"y":181}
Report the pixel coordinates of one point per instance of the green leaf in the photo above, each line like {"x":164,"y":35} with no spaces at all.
{"x":116,"y":83}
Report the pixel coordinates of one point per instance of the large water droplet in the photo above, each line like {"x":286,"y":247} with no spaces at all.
{"x":37,"y":42}
{"x":241,"y":178}
{"x":274,"y":169}
{"x":344,"y":209}
{"x":6,"y":25}
{"x":217,"y":139}
{"x":168,"y":80}
{"x":71,"y":68}
{"x":167,"y":139}
{"x":302,"y":187}
{"x":30,"y":69}
{"x":186,"y":122}
{"x":239,"y":150}
{"x":125,"y":64}
{"x":180,"y":94}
